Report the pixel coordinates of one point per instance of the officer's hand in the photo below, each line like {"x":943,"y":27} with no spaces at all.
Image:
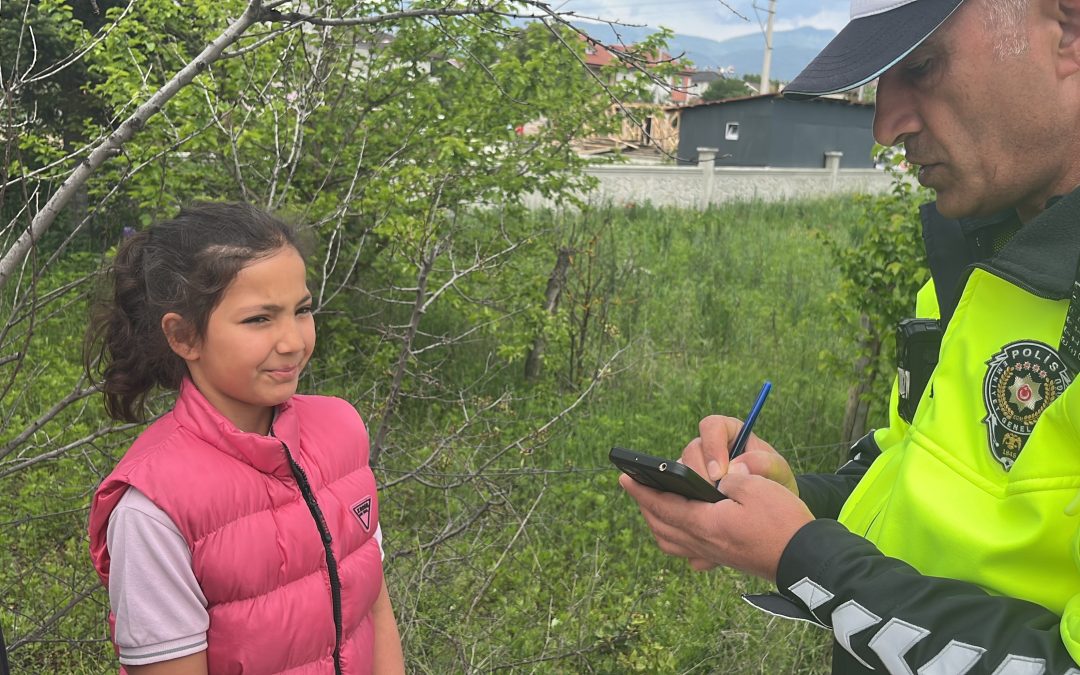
{"x":708,"y":453}
{"x":748,"y":531}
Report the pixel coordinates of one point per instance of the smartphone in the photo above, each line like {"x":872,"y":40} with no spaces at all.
{"x":664,"y":474}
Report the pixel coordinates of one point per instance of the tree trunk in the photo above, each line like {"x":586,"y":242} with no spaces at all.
{"x":555,"y":284}
{"x":855,"y":414}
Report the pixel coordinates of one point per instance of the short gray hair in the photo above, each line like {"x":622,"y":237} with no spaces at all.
{"x":1005,"y":20}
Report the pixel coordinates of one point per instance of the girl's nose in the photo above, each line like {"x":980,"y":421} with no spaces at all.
{"x":291,"y":338}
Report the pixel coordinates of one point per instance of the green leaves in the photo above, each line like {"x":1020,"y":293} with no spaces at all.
{"x":881,"y":272}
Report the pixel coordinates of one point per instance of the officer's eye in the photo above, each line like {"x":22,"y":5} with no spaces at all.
{"x":919,"y":68}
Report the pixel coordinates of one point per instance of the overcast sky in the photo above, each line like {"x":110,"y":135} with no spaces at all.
{"x":713,"y":18}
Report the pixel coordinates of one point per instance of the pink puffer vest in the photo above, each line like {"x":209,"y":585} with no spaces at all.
{"x":276,"y":595}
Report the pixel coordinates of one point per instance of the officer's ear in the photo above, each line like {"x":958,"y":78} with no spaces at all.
{"x":1067,"y":14}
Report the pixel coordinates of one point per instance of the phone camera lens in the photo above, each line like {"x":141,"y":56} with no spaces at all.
{"x":663,"y":466}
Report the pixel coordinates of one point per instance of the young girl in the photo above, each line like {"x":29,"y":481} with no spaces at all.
{"x":239,"y":533}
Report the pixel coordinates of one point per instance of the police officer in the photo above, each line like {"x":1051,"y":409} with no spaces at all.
{"x":949,"y":543}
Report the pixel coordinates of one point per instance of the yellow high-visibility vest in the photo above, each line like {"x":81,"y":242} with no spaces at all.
{"x":984,"y":484}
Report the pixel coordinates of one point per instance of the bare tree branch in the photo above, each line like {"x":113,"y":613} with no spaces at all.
{"x":73,"y":58}
{"x":506,"y":550}
{"x":48,"y":213}
{"x":424,"y":12}
{"x":60,"y":451}
{"x":48,"y":623}
{"x":427,"y":262}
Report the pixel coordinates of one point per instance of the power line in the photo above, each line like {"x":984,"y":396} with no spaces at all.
{"x":514,"y":473}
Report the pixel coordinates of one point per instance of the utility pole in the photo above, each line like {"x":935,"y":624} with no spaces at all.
{"x":766,"y":64}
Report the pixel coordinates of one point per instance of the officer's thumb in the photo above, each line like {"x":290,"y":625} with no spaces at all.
{"x":715,"y":470}
{"x":733,"y":485}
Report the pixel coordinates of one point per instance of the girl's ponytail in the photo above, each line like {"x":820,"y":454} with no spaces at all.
{"x":126,"y":348}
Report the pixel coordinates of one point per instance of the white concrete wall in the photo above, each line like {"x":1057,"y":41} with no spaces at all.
{"x":688,"y":186}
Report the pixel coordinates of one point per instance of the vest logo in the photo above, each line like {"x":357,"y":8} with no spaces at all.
{"x":362,"y":511}
{"x":1022,"y":380}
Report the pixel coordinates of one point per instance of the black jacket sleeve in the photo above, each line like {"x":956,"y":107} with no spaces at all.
{"x":825,"y":493}
{"x":887,"y":616}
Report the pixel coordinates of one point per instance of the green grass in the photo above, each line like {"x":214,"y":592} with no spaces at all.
{"x":565,"y":576}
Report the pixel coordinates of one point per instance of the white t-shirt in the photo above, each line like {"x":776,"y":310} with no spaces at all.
{"x":159,"y":607}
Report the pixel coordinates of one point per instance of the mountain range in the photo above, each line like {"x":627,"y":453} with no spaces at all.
{"x":792,"y":49}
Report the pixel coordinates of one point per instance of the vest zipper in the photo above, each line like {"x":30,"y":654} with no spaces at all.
{"x":324,"y":534}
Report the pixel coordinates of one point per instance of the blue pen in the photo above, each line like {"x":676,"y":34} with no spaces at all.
{"x":744,"y":433}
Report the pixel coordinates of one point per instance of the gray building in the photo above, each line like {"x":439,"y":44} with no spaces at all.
{"x":769,"y":130}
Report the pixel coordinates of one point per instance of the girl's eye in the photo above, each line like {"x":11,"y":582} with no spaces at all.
{"x":304,"y":310}
{"x":256,"y":319}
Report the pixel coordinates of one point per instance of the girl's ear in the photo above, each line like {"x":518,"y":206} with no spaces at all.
{"x":178,"y":333}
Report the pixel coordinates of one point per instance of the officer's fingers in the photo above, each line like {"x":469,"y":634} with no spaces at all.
{"x":670,"y":537}
{"x":670,"y":517}
{"x":652,"y":503}
{"x":717,"y":434}
{"x":693,"y":456}
{"x":767,"y":463}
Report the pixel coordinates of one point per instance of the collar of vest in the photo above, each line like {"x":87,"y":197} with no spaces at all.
{"x":196,"y":414}
{"x":1040,"y":257}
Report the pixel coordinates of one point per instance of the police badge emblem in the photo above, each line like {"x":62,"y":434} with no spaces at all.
{"x":1022,"y":380}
